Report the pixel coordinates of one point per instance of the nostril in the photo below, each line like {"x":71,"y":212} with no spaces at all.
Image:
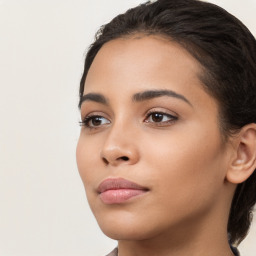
{"x":122,"y":158}
{"x":105,"y":160}
{"x":125,"y":158}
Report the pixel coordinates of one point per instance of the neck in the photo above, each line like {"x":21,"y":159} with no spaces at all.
{"x":206,"y":237}
{"x":171,"y":247}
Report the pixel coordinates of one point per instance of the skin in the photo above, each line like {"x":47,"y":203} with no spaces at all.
{"x":183,"y":161}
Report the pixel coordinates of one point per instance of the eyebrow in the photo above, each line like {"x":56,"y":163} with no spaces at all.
{"x":96,"y":97}
{"x":138,"y":97}
{"x":151,"y":94}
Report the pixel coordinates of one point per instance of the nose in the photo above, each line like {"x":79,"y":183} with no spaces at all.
{"x":120,"y":148}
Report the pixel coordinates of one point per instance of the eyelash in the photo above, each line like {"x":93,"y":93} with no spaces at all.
{"x":171,"y":118}
{"x":86,"y":121}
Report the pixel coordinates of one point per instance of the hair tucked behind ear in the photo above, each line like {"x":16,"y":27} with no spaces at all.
{"x":227,"y":52}
{"x":241,"y":213}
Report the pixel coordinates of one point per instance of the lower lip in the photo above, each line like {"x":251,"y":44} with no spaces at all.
{"x":118,"y":196}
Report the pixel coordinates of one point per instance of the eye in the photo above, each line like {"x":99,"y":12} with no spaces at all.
{"x":160,"y":118}
{"x":94,"y":121}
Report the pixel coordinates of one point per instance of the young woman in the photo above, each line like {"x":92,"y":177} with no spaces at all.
{"x":167,"y":150}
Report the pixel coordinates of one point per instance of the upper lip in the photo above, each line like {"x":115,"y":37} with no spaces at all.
{"x":118,"y":183}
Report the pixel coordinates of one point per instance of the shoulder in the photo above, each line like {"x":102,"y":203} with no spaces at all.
{"x":235,"y":251}
{"x":113,"y":253}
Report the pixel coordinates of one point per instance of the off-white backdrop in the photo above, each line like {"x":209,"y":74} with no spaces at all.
{"x":43,"y":211}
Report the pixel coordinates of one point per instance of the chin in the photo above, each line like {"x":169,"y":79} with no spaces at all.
{"x":124,"y":227}
{"x":126,"y":233}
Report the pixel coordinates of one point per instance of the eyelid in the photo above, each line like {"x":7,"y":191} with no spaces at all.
{"x":88,"y":117}
{"x":94,"y":113}
{"x":162,"y":111}
{"x":173,"y":117}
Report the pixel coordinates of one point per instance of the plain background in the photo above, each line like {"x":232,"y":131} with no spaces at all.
{"x":43,"y":210}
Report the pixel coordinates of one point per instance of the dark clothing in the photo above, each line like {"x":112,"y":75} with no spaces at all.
{"x":115,"y":252}
{"x":235,"y":251}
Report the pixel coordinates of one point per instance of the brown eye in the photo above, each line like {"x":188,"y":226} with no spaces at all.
{"x":158,"y":117}
{"x":95,"y":121}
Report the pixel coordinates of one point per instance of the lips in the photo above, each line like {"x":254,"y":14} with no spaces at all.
{"x":118,"y":190}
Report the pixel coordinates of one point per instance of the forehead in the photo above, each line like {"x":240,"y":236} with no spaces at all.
{"x":126,"y":66}
{"x":143,"y":59}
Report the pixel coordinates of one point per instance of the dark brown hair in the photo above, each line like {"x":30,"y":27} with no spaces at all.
{"x":227,"y":52}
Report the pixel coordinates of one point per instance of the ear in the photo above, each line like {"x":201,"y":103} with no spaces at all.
{"x":243,"y":162}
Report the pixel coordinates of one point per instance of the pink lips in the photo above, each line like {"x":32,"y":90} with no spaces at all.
{"x":118,"y":190}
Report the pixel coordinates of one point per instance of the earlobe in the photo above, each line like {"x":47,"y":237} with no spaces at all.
{"x":243,"y":164}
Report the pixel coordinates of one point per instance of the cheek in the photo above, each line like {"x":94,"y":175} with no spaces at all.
{"x":187,"y":163}
{"x":186,"y":177}
{"x":86,"y":160}
{"x":80,"y":160}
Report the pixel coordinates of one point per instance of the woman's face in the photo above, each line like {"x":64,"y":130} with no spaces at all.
{"x":148,"y":120}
